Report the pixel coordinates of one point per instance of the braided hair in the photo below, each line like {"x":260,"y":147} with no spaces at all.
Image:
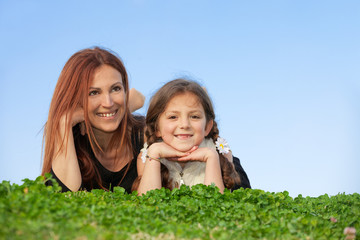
{"x":158,"y":105}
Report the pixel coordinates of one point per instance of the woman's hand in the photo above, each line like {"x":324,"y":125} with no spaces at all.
{"x":75,"y":118}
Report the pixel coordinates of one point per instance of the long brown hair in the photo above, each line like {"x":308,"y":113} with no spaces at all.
{"x":70,"y":92}
{"x":157,"y":106}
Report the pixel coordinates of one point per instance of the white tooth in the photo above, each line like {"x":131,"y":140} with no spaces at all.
{"x":106,"y":114}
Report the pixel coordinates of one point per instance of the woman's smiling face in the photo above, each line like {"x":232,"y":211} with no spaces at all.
{"x":106,"y":100}
{"x":183,"y":123}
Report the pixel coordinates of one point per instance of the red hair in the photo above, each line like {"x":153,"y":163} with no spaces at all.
{"x":70,"y":92}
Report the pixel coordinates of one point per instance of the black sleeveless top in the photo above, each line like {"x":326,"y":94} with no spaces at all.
{"x":108,"y":178}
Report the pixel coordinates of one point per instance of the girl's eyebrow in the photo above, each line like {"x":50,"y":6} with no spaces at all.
{"x":171,"y":111}
{"x":174,"y":111}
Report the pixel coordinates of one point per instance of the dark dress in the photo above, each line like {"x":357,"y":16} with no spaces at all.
{"x":110,"y":179}
{"x":244,"y":180}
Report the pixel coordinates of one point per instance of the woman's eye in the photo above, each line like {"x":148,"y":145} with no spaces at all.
{"x":92,"y":93}
{"x":117,"y":89}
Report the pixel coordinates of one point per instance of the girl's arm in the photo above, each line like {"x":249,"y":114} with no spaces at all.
{"x":151,"y":176}
{"x":65,"y":163}
{"x":151,"y":173}
{"x":213,"y":169}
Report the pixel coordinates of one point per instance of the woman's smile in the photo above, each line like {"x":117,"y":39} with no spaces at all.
{"x":107,"y":115}
{"x":106,"y":105}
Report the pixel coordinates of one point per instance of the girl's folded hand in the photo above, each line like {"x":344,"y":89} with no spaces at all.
{"x":200,"y":154}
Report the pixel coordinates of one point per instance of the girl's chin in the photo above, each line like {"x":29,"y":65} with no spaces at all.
{"x":184,"y":149}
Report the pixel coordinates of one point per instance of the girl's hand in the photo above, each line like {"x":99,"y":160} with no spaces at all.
{"x":163,"y":150}
{"x":200,"y":154}
{"x":213,"y":168}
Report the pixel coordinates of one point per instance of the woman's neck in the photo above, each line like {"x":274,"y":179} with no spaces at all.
{"x":102,"y":138}
{"x":110,"y":157}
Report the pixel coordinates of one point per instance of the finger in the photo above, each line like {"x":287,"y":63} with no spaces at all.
{"x":190,"y":158}
{"x":77,"y":116}
{"x":183,"y":159}
{"x":173,"y":155}
{"x":82,"y":128}
{"x":193,"y":149}
{"x":197,"y":155}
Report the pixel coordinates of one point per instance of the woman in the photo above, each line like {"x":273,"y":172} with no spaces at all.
{"x":91,"y":138}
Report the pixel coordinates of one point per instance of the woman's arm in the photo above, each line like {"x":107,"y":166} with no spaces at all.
{"x":136,"y":100}
{"x":65,"y":163}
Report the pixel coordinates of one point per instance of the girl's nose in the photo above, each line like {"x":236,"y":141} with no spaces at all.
{"x":184,"y":122}
{"x":107,"y":100}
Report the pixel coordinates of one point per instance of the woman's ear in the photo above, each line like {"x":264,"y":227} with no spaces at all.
{"x":208,"y":127}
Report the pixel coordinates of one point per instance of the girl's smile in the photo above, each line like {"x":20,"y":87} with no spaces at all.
{"x":183,"y":136}
{"x":183,"y":124}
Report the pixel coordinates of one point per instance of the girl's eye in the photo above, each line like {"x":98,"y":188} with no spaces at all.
{"x":93,"y":93}
{"x":172,"y":117}
{"x":195,"y":117}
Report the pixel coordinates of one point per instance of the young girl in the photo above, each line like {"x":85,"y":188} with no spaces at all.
{"x":181,"y":131}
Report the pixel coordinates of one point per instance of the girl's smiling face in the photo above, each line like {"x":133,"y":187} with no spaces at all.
{"x":183,"y":123}
{"x":106,"y":100}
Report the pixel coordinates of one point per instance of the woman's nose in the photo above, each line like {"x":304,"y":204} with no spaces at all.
{"x":107,"y":100}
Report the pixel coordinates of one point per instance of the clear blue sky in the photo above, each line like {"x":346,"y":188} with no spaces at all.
{"x":283,"y":75}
